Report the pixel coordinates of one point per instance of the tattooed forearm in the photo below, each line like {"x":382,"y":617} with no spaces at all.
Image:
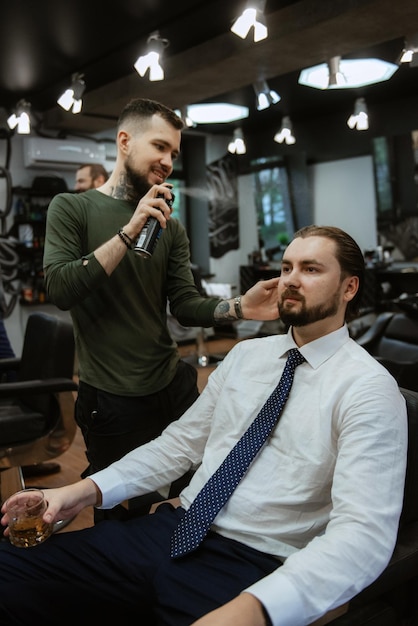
{"x":224,"y":312}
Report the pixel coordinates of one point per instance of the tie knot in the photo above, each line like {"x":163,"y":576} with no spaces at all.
{"x":295,"y":357}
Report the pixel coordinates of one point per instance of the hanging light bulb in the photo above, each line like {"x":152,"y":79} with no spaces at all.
{"x":71,"y":98}
{"x":152,"y":60}
{"x":251,"y":17}
{"x":20,"y":119}
{"x":285,"y":134}
{"x":265,"y":96}
{"x":359,"y":119}
{"x":409,"y":52}
{"x":184,"y":114}
{"x":237,"y":146}
{"x":336,"y":77}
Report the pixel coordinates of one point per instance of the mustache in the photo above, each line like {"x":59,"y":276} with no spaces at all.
{"x":291,"y":293}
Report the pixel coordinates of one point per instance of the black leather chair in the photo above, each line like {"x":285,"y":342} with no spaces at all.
{"x":37,"y":410}
{"x":393,"y":340}
{"x":392,"y":599}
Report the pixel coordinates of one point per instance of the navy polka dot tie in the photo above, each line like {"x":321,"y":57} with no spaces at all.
{"x":195,"y":524}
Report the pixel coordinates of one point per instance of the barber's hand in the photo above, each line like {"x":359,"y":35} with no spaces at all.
{"x":150,"y":206}
{"x":261,"y":301}
{"x":63,"y":502}
{"x":244,"y":610}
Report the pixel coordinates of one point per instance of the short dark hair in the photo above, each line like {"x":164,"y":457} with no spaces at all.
{"x":348,"y":255}
{"x":96,"y":170}
{"x":142,"y":109}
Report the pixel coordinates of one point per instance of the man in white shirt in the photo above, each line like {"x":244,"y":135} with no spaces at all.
{"x":304,"y":531}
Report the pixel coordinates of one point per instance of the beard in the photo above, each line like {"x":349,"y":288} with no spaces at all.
{"x":136,"y":181}
{"x":307,"y":315}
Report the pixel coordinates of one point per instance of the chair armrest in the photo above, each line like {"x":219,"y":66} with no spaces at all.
{"x":376,"y":330}
{"x":50,"y":385}
{"x":404,"y":372}
{"x":10,"y":363}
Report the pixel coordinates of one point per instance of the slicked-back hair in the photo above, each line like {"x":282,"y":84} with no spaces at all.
{"x":141,"y":110}
{"x":348,"y":255}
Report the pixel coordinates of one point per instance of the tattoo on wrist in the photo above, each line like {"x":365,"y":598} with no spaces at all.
{"x":223,"y":312}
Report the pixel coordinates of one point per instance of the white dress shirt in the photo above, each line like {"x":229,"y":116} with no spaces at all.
{"x":325,"y":492}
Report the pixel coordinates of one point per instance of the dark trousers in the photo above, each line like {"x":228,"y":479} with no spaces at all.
{"x":122,"y":570}
{"x":114,"y":425}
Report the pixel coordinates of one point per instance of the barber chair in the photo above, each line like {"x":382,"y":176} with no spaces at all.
{"x":37,"y":409}
{"x":393,"y":598}
{"x":393,"y":340}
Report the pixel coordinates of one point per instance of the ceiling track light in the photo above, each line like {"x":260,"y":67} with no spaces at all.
{"x":359,"y":119}
{"x":265,"y":96}
{"x":20,"y":119}
{"x":409,"y":52}
{"x":71,"y":98}
{"x":237,"y":146}
{"x":184,"y":114}
{"x":285,"y":133}
{"x":252,"y":17}
{"x":335,"y":76}
{"x":152,"y":60}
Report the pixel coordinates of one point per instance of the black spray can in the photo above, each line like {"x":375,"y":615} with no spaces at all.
{"x":151,"y":233}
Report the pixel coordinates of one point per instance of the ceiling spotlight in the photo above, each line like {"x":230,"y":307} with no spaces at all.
{"x":265,"y":95}
{"x":71,"y":98}
{"x":409,"y":53}
{"x":251,"y":17}
{"x":335,"y":76}
{"x":184,"y":114}
{"x":360,"y":117}
{"x":152,"y":60}
{"x":20,"y":118}
{"x":237,"y":146}
{"x":285,"y":133}
{"x":347,"y":73}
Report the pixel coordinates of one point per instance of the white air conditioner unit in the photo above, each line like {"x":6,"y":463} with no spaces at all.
{"x":41,"y":152}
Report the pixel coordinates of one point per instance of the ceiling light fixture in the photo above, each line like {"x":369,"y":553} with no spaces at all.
{"x":360,"y":118}
{"x":71,"y":98}
{"x":335,"y":76}
{"x":237,"y":146}
{"x":152,"y":60}
{"x":216,"y":113}
{"x":409,"y":53}
{"x":265,"y":96}
{"x":356,"y":73}
{"x":184,"y":114}
{"x":20,"y":118}
{"x":285,"y":133}
{"x":251,"y":17}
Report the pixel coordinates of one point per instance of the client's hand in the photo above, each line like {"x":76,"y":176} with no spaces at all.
{"x":64,"y":502}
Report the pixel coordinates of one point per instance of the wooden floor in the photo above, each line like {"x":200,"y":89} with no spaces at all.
{"x":73,"y":462}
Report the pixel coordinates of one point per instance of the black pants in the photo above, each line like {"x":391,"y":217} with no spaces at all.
{"x":123,"y":571}
{"x":114,"y":425}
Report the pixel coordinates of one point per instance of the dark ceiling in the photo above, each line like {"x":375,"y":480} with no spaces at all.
{"x":43,"y":42}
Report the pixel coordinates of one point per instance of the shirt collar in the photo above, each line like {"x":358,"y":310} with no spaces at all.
{"x":318,"y":351}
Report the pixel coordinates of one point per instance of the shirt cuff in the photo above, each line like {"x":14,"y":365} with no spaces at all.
{"x":109,"y":483}
{"x":280,"y":599}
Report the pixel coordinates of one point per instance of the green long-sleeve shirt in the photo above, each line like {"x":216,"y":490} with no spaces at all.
{"x":120,"y":326}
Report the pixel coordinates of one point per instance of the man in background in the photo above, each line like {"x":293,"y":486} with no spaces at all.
{"x":90,"y":176}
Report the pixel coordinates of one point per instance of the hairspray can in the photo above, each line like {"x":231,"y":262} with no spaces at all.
{"x":150,"y":233}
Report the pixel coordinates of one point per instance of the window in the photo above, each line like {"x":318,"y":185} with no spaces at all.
{"x":274,"y":212}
